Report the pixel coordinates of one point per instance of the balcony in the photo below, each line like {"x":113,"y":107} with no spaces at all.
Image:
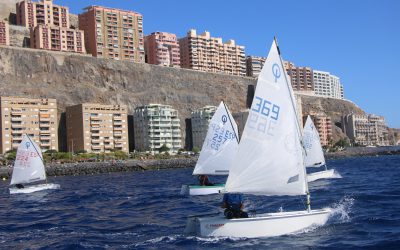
{"x":16,"y":119}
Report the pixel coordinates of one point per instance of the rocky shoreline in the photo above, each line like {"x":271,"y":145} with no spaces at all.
{"x":364,"y":151}
{"x":85,"y":168}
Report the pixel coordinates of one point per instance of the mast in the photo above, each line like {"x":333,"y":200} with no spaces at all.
{"x":230,"y":121}
{"x":298,"y":125}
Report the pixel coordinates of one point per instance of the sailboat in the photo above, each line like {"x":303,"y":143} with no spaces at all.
{"x":314,"y":155}
{"x":269,"y":161}
{"x":218,"y":151}
{"x":29,"y":168}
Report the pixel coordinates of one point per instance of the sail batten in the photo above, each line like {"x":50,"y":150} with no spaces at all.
{"x":269,"y":160}
{"x":28,"y":165}
{"x":220,"y":144}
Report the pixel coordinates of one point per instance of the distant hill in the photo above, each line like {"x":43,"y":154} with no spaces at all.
{"x":73,"y":79}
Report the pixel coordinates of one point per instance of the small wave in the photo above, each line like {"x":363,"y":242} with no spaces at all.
{"x":341,"y":210}
{"x":336,"y":175}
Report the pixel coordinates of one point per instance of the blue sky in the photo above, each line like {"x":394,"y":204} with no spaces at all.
{"x":356,"y":40}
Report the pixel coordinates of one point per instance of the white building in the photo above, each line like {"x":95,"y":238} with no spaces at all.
{"x":156,"y":125}
{"x":200,"y":120}
{"x":327,"y":85}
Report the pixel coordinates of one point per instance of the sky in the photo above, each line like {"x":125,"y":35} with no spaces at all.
{"x":356,"y":40}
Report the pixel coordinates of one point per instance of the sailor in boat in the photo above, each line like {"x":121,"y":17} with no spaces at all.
{"x":233,"y":204}
{"x":19,"y":186}
{"x":204,"y":181}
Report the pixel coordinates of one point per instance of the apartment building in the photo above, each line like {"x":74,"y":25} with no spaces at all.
{"x":34,"y":117}
{"x":97,"y":128}
{"x":254,"y":65}
{"x":156,"y":125}
{"x":301,"y":77}
{"x":366,"y":130}
{"x":323,"y":124}
{"x":200,"y":119}
{"x":4,"y":33}
{"x":113,"y":33}
{"x":162,"y":49}
{"x":30,"y":14}
{"x":327,"y":85}
{"x":205,"y":53}
{"x":57,"y":39}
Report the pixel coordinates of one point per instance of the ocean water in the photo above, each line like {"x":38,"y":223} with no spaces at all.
{"x":143,"y":210}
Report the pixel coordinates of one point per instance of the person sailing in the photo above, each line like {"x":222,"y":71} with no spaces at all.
{"x":233,"y":204}
{"x":204,"y":181}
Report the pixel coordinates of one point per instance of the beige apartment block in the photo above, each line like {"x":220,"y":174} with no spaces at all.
{"x":366,"y":130}
{"x":254,"y":65}
{"x":301,"y":77}
{"x":4,"y":33}
{"x":205,"y":53}
{"x":155,"y":125}
{"x":97,"y":128}
{"x":200,"y":120}
{"x":162,"y":49}
{"x":57,"y":39}
{"x":113,"y":33}
{"x":31,"y":14}
{"x":34,"y":117}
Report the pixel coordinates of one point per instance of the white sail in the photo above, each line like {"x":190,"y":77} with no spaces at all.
{"x":28,"y":166}
{"x":269,"y":160}
{"x":314,"y":155}
{"x":220,"y":145}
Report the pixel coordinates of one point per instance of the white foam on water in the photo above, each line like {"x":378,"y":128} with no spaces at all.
{"x":336,"y":175}
{"x":342,"y":209}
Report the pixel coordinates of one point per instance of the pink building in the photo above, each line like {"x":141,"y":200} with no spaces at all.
{"x":30,"y":14}
{"x":162,"y":49}
{"x":57,"y":39}
{"x":4,"y":33}
{"x":113,"y":33}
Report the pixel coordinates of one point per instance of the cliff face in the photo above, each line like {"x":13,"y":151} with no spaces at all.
{"x":73,"y":79}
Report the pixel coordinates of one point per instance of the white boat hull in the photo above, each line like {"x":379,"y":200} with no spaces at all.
{"x":326,"y":174}
{"x":33,"y":188}
{"x":201,"y":190}
{"x":264,"y":225}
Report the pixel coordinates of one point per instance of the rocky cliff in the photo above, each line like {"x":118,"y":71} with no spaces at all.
{"x":73,"y":79}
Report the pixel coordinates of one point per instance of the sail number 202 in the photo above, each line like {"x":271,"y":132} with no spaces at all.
{"x":265,"y":115}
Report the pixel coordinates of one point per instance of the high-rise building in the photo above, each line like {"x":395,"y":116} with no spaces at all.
{"x":200,"y":119}
{"x":30,"y":14}
{"x":162,"y":49}
{"x":366,"y":130}
{"x":301,"y":77}
{"x":4,"y":33}
{"x":156,"y":125}
{"x":113,"y":33}
{"x":97,"y":128}
{"x":323,"y":124}
{"x":327,"y":85}
{"x":34,"y":117}
{"x":57,"y":39}
{"x":209,"y":54}
{"x":254,"y":65}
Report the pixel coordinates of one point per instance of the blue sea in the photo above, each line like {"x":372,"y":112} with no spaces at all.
{"x":144,"y":210}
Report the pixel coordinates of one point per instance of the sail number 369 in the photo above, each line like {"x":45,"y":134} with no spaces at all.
{"x":265,"y":115}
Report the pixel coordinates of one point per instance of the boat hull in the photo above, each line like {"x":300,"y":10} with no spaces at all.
{"x":33,"y":188}
{"x":264,"y":225}
{"x":326,"y":174}
{"x":201,"y":190}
